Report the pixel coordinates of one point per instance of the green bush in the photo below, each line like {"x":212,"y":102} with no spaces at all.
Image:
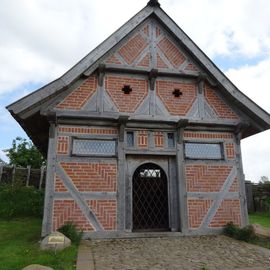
{"x":70,"y":231}
{"x":244,"y":234}
{"x":20,"y":201}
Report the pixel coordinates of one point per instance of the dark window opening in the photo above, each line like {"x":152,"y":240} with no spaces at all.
{"x":171,"y":141}
{"x":130,"y":139}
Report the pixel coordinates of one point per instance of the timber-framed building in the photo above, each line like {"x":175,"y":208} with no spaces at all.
{"x":143,"y":134}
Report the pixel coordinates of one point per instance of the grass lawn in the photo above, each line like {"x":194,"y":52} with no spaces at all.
{"x":19,"y":247}
{"x":260,"y":218}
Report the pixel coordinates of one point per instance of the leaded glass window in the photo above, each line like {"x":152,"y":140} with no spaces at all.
{"x":88,"y":147}
{"x":203,"y":150}
{"x":130,"y":139}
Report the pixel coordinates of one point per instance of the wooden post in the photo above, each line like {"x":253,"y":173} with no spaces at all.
{"x":1,"y":171}
{"x":13,"y":174}
{"x":28,"y":175}
{"x":42,"y":169}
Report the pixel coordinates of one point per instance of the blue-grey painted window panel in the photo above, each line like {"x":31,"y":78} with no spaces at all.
{"x":93,"y":147}
{"x":203,"y":150}
{"x":171,"y":141}
{"x":130,"y":139}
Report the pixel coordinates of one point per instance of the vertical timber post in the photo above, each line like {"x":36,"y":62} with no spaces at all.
{"x":121,"y":207}
{"x":41,"y":177}
{"x":48,"y":202}
{"x":13,"y":174}
{"x":241,"y":177}
{"x":28,"y":175}
{"x":180,"y":164}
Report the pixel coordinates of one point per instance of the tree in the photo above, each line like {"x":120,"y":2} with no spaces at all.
{"x":24,"y":153}
{"x":264,"y":179}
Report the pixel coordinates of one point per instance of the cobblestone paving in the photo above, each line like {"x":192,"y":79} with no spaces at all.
{"x":185,"y":253}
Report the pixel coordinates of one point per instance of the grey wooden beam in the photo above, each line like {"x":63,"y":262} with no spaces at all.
{"x":241,"y":179}
{"x":213,"y":195}
{"x":77,"y":197}
{"x":180,"y":161}
{"x":49,"y":191}
{"x":87,"y":195}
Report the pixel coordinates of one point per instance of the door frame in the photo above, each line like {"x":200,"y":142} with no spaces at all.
{"x":168,"y":165}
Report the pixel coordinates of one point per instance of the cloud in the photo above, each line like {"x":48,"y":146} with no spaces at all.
{"x":253,"y":81}
{"x":40,"y":40}
{"x":225,"y":27}
{"x":3,"y":156}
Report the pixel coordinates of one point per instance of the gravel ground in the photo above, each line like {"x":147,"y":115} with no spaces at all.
{"x":185,"y":253}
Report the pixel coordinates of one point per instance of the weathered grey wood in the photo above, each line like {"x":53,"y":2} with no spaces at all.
{"x":28,"y":175}
{"x":173,"y":195}
{"x":180,"y":161}
{"x":42,"y":170}
{"x":88,"y":195}
{"x":212,"y":195}
{"x":241,"y":179}
{"x":219,"y":198}
{"x":121,"y":180}
{"x":88,"y":213}
{"x":48,"y":201}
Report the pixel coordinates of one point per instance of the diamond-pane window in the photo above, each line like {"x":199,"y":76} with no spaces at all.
{"x":130,"y":139}
{"x":171,"y":142}
{"x":85,"y":147}
{"x":203,"y":150}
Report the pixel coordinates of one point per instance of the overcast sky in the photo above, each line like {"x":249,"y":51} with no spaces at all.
{"x":41,"y":39}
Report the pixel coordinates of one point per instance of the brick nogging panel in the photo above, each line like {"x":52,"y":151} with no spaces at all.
{"x":133,"y":48}
{"x":59,"y":185}
{"x":208,"y":135}
{"x":197,"y":209}
{"x":159,"y":139}
{"x":219,"y":106}
{"x":206,"y":178}
{"x":126,"y":102}
{"x":172,"y":52}
{"x":176,"y":105}
{"x":78,"y":98}
{"x":92,"y":177}
{"x":228,"y":211}
{"x":142,"y":138}
{"x":106,"y":213}
{"x":62,"y":145}
{"x":88,"y":130}
{"x":68,"y":211}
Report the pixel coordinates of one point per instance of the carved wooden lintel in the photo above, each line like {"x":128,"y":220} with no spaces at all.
{"x":101,"y":74}
{"x":152,"y":78}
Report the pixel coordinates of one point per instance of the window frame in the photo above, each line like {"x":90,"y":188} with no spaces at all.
{"x":220,"y":143}
{"x":93,"y":139}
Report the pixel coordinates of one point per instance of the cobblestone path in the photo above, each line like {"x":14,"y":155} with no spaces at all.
{"x":185,"y":253}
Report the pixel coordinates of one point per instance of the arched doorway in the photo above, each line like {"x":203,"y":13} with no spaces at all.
{"x":150,"y":198}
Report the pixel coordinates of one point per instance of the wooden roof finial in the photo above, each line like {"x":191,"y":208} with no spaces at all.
{"x":153,"y":3}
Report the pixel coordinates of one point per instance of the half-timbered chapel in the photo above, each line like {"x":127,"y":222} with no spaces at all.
{"x":142,"y":135}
